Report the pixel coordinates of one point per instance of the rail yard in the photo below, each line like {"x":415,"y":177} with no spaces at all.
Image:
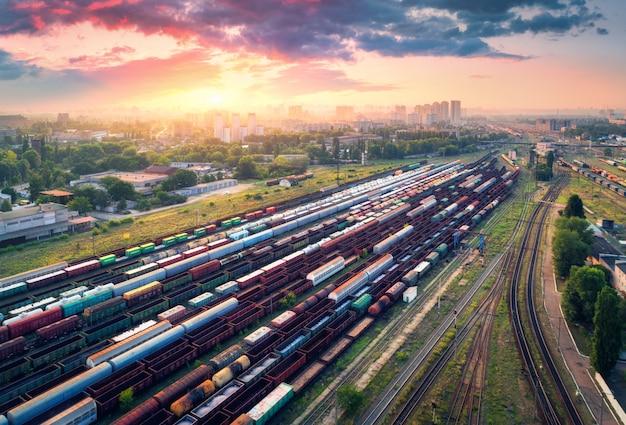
{"x":74,"y":337}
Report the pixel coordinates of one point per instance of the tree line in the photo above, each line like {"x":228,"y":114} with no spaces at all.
{"x":588,"y":297}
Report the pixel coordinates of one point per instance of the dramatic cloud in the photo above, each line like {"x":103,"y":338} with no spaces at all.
{"x":11,"y":69}
{"x":324,"y":29}
{"x":299,"y":79}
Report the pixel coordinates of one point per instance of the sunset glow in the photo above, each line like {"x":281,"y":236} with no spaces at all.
{"x":232,"y":54}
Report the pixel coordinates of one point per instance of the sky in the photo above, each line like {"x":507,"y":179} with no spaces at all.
{"x":63,"y":55}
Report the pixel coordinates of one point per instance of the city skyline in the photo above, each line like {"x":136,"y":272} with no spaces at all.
{"x":534,"y":54}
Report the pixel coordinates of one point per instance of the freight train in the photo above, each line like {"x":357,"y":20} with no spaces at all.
{"x":617,"y":188}
{"x":261,"y":283}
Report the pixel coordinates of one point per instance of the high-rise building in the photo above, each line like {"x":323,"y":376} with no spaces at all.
{"x":235,"y":128}
{"x":444,"y":111}
{"x":218,"y":126}
{"x":344,"y":113}
{"x":398,"y":115}
{"x":295,"y":112}
{"x":226,"y":135}
{"x":251,"y":124}
{"x":63,"y":118}
{"x":455,"y":111}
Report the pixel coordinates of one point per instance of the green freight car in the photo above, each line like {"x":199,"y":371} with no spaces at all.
{"x":263,"y":411}
{"x":133,"y":252}
{"x":107,"y":260}
{"x":106,"y":329}
{"x":258,"y":229}
{"x":181,"y":237}
{"x":361,"y":304}
{"x":199,"y":232}
{"x":147,"y":247}
{"x":170,"y":240}
{"x":442,"y":250}
{"x":53,"y":352}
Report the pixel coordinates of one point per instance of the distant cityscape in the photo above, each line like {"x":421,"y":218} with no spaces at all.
{"x":234,"y":127}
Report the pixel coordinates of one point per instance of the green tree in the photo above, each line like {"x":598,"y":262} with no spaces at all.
{"x":23,"y":167}
{"x":208,"y":178}
{"x":33,"y":158}
{"x":127,"y":398}
{"x":578,"y":225}
{"x":181,"y":178}
{"x":574,"y":207}
{"x":121,"y":205}
{"x":108,"y":181}
{"x":88,"y":153}
{"x":8,"y":170}
{"x":217,"y":157}
{"x":550,"y":159}
{"x":608,"y":276}
{"x":122,"y":190}
{"x":80,"y":204}
{"x":581,"y":293}
{"x":335,"y":147}
{"x":247,"y":168}
{"x":571,"y":304}
{"x":567,"y":251}
{"x":35,"y":186}
{"x":607,"y":337}
{"x":350,"y":398}
{"x":6,"y":206}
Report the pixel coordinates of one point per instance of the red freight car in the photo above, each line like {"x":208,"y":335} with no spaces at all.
{"x":379,"y":306}
{"x":81,"y":268}
{"x":253,"y":215}
{"x":395,"y":292}
{"x":204,"y":269}
{"x":11,"y":347}
{"x":4,"y":333}
{"x":61,"y":327}
{"x":249,"y":279}
{"x":140,"y":413}
{"x":195,"y":251}
{"x":285,"y":369}
{"x":48,"y":279}
{"x":36,"y":321}
{"x":188,"y":382}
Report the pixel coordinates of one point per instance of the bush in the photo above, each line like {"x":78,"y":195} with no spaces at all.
{"x":95,"y":232}
{"x":127,"y":220}
{"x":113,"y":223}
{"x":258,"y":197}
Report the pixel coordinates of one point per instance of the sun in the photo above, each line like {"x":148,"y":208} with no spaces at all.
{"x":216,"y":99}
{"x":200,"y":99}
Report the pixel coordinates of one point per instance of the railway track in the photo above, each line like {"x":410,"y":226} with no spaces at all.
{"x":484,"y":315}
{"x":533,"y":368}
{"x":466,"y":405}
{"x":364,"y":362}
